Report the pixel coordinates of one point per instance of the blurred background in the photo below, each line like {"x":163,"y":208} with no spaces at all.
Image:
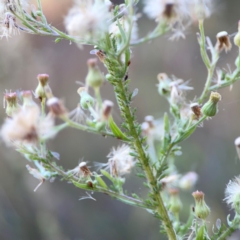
{"x":54,"y":211}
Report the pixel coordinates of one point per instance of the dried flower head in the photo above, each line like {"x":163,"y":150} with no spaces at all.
{"x":120,"y":162}
{"x":77,"y":114}
{"x":81,"y":171}
{"x":223,"y":42}
{"x":169,"y":10}
{"x":199,"y":9}
{"x":9,"y":26}
{"x":174,"y":89}
{"x":11,"y":100}
{"x":26,"y":127}
{"x":106,"y":110}
{"x":232,"y":194}
{"x":99,"y":53}
{"x":169,"y":181}
{"x":15,"y":5}
{"x":196,"y":109}
{"x":56,"y":107}
{"x":152,"y":128}
{"x":150,"y":120}
{"x":43,"y":90}
{"x":178,"y":88}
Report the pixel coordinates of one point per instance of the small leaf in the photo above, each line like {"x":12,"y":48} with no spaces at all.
{"x":81,"y":185}
{"x":107,"y":175}
{"x":116,"y":130}
{"x":55,"y":155}
{"x":100,"y":181}
{"x":218,"y":224}
{"x":167,"y":135}
{"x":135,"y":93}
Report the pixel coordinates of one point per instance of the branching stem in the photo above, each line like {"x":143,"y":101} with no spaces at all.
{"x":142,"y":157}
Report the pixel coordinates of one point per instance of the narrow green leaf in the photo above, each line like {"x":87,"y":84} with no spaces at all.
{"x":200,"y":233}
{"x":101,"y":182}
{"x":82,"y":185}
{"x":107,"y":175}
{"x":116,"y":130}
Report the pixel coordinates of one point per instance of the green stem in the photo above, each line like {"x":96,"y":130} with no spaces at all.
{"x":207,"y":84}
{"x":45,"y":28}
{"x":85,"y":128}
{"x":119,"y":196}
{"x":43,"y":142}
{"x":188,"y":132}
{"x":98,"y":96}
{"x":41,"y":12}
{"x":202,"y":42}
{"x":233,"y":78}
{"x":142,"y":156}
{"x":210,"y":65}
{"x":159,"y":30}
{"x":126,"y":45}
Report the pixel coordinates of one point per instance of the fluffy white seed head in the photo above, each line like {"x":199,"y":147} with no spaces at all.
{"x":232,"y":194}
{"x":88,"y":19}
{"x":27,"y":127}
{"x":120,"y":162}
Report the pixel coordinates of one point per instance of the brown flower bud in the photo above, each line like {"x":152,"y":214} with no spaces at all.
{"x":56,"y":107}
{"x":223,"y":42}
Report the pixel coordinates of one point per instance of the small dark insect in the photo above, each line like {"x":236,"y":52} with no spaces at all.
{"x":126,"y":77}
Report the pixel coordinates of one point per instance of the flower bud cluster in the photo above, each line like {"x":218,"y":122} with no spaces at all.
{"x":26,"y":124}
{"x":92,"y":109}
